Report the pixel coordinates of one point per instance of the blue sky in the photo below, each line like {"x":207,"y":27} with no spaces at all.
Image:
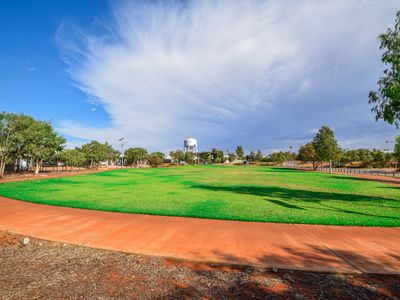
{"x":263,"y":74}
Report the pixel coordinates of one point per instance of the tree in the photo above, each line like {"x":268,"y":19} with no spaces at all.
{"x":379,"y":159}
{"x":396,"y":152}
{"x":95,"y":152}
{"x":177,"y":156}
{"x":111,"y":154}
{"x":307,"y":154}
{"x":14,"y":131}
{"x":43,"y":143}
{"x":231,"y":157}
{"x":73,"y":157}
{"x":280,"y":157}
{"x":217,"y":156}
{"x":206,"y":157}
{"x":154,"y":160}
{"x":386,"y":101}
{"x":325,"y":145}
{"x":135,"y":155}
{"x":251,"y":156}
{"x":239,"y":152}
{"x":160,"y":154}
{"x":258,"y":156}
{"x":189,"y":158}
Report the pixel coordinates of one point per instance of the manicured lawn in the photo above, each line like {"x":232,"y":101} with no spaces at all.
{"x":238,"y":193}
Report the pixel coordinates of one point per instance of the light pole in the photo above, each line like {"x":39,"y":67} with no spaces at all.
{"x":121,"y":140}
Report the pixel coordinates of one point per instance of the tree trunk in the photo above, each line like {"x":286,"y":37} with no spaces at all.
{"x":2,"y":167}
{"x":330,"y":166}
{"x":37,"y":168}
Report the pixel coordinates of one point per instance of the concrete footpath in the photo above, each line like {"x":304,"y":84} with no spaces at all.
{"x":264,"y":245}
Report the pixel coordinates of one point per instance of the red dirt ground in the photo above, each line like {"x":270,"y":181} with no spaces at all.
{"x":51,"y":270}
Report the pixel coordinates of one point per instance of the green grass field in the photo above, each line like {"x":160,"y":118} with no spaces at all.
{"x":221,"y":192}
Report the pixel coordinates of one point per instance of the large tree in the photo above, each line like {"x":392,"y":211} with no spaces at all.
{"x":326,"y":146}
{"x":154,"y":160}
{"x":95,"y":152}
{"x":177,"y":156}
{"x":14,"y":131}
{"x":307,"y":154}
{"x":189,"y":158}
{"x":386,"y":100}
{"x":73,"y":157}
{"x":217,"y":156}
{"x":136,"y":155}
{"x":43,"y":143}
{"x":239,"y":152}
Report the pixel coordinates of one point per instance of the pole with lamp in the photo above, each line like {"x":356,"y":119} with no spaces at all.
{"x":122,"y":142}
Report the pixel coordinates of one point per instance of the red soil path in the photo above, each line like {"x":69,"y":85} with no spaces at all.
{"x":284,"y":246}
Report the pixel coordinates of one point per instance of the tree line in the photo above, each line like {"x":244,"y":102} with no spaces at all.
{"x":23,"y":137}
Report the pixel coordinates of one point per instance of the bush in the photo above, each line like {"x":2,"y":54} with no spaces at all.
{"x":154,"y":160}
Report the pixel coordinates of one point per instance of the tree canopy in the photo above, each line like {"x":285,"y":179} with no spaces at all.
{"x":136,"y":155}
{"x":326,"y":146}
{"x":239,"y":152}
{"x":386,"y":100}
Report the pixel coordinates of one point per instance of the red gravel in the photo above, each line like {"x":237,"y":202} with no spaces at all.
{"x":53,"y":270}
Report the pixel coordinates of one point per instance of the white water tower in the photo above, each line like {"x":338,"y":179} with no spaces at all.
{"x":190,"y":145}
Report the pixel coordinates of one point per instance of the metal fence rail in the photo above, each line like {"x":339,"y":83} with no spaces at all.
{"x":355,"y":171}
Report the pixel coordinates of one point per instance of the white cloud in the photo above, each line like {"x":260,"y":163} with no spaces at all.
{"x":217,"y":70}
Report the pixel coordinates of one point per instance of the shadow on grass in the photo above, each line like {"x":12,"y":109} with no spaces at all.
{"x":284,"y":204}
{"x":353,"y":177}
{"x":281,"y":194}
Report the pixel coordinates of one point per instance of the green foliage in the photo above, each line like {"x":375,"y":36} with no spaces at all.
{"x":73,"y":157}
{"x":206,"y":158}
{"x":307,"y":154}
{"x":217,"y":156}
{"x":238,"y":193}
{"x":366,"y":158}
{"x":325,"y":145}
{"x":43,"y":142}
{"x":239,"y":152}
{"x":136,"y":155}
{"x":259,"y":156}
{"x":386,"y":101}
{"x":160,"y":154}
{"x":154,"y":160}
{"x":189,"y":158}
{"x":396,"y":152}
{"x":280,"y":157}
{"x":231,"y":157}
{"x":95,"y":152}
{"x":177,"y":156}
{"x":14,"y":136}
{"x":251,"y":156}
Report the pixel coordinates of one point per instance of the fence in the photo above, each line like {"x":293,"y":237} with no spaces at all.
{"x":356,"y":171}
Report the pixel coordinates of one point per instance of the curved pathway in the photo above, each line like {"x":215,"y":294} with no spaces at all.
{"x":264,"y":245}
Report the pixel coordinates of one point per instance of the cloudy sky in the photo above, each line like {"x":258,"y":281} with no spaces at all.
{"x":263,"y":74}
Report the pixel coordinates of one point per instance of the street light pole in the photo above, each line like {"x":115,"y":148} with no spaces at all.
{"x":121,"y":140}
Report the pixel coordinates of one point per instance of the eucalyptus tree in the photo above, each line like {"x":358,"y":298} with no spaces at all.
{"x":136,"y":155}
{"x":326,"y":146}
{"x":43,"y":142}
{"x":14,"y":131}
{"x":386,"y":100}
{"x":239,"y":152}
{"x":307,"y":154}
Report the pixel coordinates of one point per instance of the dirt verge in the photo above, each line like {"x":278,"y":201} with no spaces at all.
{"x":44,"y":269}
